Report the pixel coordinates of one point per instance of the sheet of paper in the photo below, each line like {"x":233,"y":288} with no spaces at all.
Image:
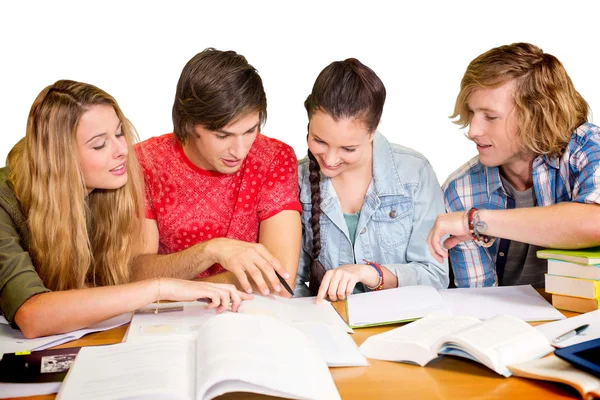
{"x":394,"y":305}
{"x":12,"y":340}
{"x":523,"y":302}
{"x":293,"y":311}
{"x":552,"y":330}
{"x":334,"y":344}
{"x":186,"y":322}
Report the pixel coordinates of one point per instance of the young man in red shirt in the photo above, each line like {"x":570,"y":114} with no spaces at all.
{"x":220,"y":195}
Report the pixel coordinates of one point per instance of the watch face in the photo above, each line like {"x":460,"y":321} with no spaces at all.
{"x":481,"y":226}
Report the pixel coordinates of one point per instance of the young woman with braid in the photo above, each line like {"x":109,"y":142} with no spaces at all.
{"x":71,"y":203}
{"x":368,"y":205}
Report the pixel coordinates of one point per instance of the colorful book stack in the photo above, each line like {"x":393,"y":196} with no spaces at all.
{"x":573,"y":278}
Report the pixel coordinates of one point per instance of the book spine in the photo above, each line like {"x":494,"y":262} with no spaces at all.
{"x":576,"y":304}
{"x":563,"y":268}
{"x":577,"y":287}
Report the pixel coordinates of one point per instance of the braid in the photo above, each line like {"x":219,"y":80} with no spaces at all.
{"x":316,"y":268}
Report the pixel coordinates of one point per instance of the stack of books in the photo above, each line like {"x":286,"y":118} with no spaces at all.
{"x":573,"y":278}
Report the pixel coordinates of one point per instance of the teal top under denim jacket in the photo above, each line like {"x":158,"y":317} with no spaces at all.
{"x":401,"y":205}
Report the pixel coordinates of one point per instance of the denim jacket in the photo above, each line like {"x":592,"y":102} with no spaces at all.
{"x":400,"y":207}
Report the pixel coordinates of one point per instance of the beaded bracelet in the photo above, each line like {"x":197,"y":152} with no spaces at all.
{"x":475,"y":225}
{"x":377,"y":267}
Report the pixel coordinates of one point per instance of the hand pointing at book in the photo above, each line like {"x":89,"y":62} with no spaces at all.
{"x":339,"y":283}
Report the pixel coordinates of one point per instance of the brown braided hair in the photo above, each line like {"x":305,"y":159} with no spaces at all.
{"x":344,"y":89}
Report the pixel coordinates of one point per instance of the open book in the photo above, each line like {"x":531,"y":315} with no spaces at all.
{"x":554,"y":369}
{"x":408,"y":303}
{"x":232,"y":353}
{"x":321,"y":324}
{"x":495,"y":343}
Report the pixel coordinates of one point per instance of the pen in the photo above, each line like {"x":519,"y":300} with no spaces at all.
{"x":570,"y":334}
{"x":159,"y":310}
{"x":284,"y":283}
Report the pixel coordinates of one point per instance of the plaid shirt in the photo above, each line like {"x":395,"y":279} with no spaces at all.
{"x":574,"y":176}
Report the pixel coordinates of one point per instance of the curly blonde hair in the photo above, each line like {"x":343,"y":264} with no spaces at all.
{"x":77,"y":240}
{"x":547,"y":104}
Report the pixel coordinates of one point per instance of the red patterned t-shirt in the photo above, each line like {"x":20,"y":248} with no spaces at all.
{"x":191,"y":205}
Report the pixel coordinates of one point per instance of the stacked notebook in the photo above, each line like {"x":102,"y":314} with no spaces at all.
{"x":573,"y":278}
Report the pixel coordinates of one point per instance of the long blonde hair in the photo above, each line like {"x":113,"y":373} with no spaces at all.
{"x":77,"y":240}
{"x":547,"y":104}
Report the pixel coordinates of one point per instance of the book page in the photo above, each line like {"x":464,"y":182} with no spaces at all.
{"x":237,"y":352}
{"x":158,"y":368}
{"x":400,"y":304}
{"x":552,"y":330}
{"x":334,"y":344}
{"x":554,"y":369}
{"x":498,"y":342}
{"x":320,"y":322}
{"x":413,"y":342}
{"x":523,"y":302}
{"x":299,"y":310}
{"x":12,"y":340}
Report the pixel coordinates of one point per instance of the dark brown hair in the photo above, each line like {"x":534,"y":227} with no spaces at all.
{"x":344,"y":89}
{"x":547,"y":104}
{"x":216,"y":88}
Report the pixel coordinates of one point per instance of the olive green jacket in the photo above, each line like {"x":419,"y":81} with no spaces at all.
{"x":18,"y":278}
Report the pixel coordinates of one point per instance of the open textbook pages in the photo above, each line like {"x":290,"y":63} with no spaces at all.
{"x":495,"y":342}
{"x":13,"y":341}
{"x":390,"y":306}
{"x":554,"y":369}
{"x":408,"y":303}
{"x":232,"y":353}
{"x":319,"y":322}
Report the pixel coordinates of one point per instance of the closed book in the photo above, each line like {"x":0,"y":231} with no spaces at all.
{"x":34,"y":373}
{"x":587,"y":256}
{"x":575,"y":270}
{"x":586,"y":288}
{"x":577,"y":304}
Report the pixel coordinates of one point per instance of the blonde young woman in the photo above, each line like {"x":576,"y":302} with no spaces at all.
{"x":71,"y":199}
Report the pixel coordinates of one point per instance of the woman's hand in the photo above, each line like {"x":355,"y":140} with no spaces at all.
{"x":220,"y":296}
{"x":338,"y":283}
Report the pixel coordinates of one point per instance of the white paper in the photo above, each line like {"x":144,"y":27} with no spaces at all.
{"x":142,"y":369}
{"x":295,"y":310}
{"x":12,"y":340}
{"x":552,"y":330}
{"x":245,"y":352}
{"x":319,"y":322}
{"x":523,"y":302}
{"x":28,"y":389}
{"x":334,"y":344}
{"x":391,"y":305}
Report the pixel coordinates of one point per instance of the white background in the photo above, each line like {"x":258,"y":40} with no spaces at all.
{"x":135,"y":50}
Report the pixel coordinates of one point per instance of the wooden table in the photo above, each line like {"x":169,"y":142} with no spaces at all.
{"x":443,"y":378}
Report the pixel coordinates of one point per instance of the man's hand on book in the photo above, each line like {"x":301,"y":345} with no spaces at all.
{"x":245,"y":259}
